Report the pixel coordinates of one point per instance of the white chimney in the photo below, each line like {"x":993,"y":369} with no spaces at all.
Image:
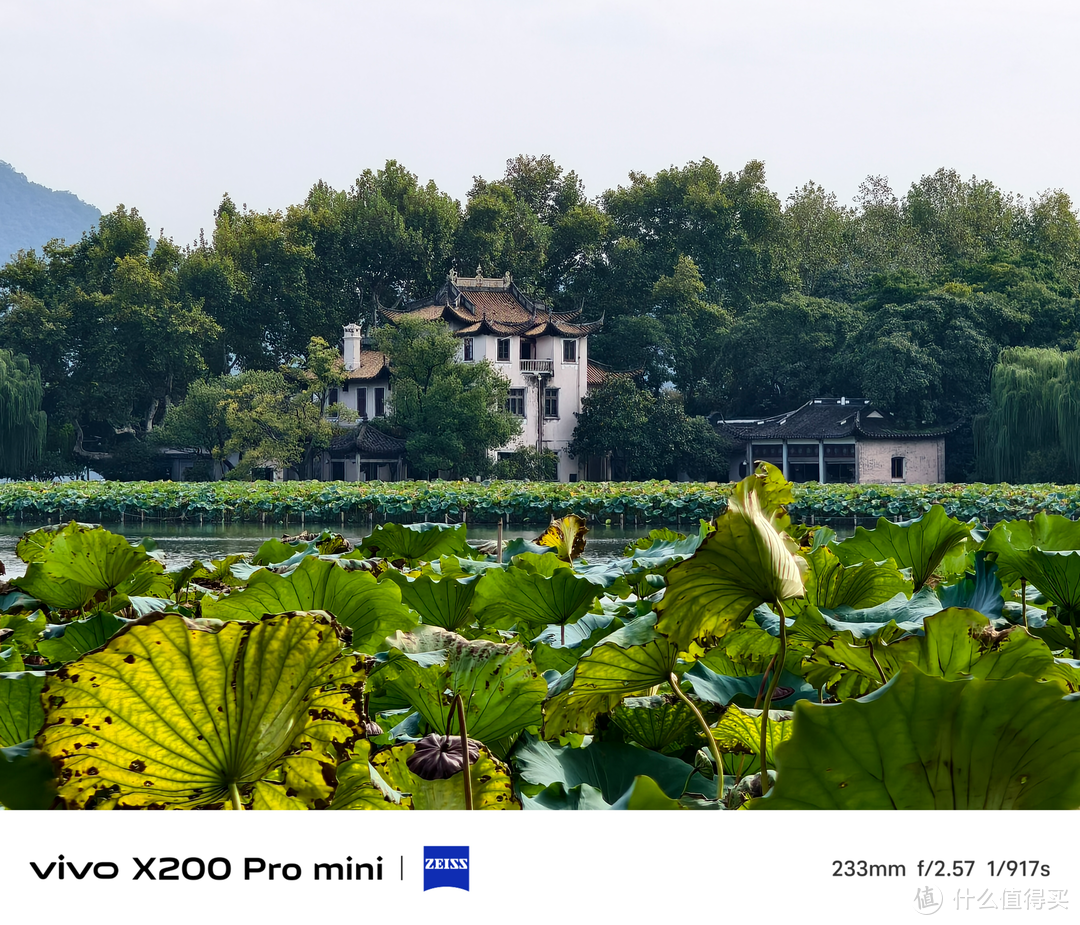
{"x":354,"y":345}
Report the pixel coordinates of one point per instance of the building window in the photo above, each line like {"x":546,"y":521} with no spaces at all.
{"x":502,"y":354}
{"x":551,"y":403}
{"x":515,"y":402}
{"x":569,"y":351}
{"x":380,"y":398}
{"x":361,"y":403}
{"x":898,"y":467}
{"x":468,"y":349}
{"x":332,"y":398}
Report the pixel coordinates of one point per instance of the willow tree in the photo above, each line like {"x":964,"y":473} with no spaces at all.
{"x":22,"y":422}
{"x":1034,"y":416}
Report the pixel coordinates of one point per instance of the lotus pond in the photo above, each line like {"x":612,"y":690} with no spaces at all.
{"x":752,"y":664}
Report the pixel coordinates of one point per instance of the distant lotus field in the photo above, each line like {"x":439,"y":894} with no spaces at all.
{"x":653,"y":502}
{"x":752,"y":662}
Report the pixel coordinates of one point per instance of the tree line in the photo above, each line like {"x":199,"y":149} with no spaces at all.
{"x":725,"y":296}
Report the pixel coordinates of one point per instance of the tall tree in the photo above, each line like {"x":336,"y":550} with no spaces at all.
{"x":23,"y":424}
{"x":452,"y":415}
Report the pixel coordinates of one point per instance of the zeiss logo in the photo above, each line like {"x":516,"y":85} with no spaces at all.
{"x":444,"y":866}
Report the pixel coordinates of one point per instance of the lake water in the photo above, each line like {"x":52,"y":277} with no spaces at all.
{"x":182,"y":544}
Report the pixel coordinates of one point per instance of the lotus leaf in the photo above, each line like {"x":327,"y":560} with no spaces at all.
{"x":444,"y":602}
{"x":69,"y":641}
{"x":370,"y":608}
{"x":744,"y":562}
{"x":171,"y":717}
{"x":740,"y":731}
{"x":521,"y":595}
{"x":566,"y":537}
{"x":416,"y":542}
{"x":920,"y":544}
{"x":831,"y":584}
{"x":21,"y":713}
{"x":661,"y":724}
{"x":491,"y":786}
{"x":501,"y":689}
{"x":611,"y":767}
{"x":748,"y":690}
{"x":928,"y":743}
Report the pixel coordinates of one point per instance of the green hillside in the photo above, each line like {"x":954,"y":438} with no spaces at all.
{"x":32,"y":214}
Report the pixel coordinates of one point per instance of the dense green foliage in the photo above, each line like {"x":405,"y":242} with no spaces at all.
{"x":651,"y":502}
{"x":755,"y":663}
{"x":745,"y":301}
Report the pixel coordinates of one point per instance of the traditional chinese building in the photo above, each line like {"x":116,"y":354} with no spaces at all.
{"x":839,"y":440}
{"x":543,"y":353}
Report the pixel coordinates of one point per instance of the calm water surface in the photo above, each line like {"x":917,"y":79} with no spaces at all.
{"x":182,"y":544}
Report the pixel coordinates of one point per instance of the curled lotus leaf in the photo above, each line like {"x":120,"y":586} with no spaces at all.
{"x":744,"y":562}
{"x":166,"y":716}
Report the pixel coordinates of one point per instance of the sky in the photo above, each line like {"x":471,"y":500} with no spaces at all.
{"x":165,"y":105}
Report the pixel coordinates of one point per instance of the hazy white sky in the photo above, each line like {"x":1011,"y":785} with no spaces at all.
{"x":167,"y":104}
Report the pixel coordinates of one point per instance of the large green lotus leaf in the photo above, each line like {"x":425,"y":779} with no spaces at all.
{"x":957,"y":644}
{"x":662,"y":724}
{"x":831,"y":584}
{"x":743,"y":563}
{"x":920,"y":544}
{"x":175,"y":717}
{"x":95,"y":558}
{"x":444,"y":602}
{"x":645,"y":794}
{"x":416,"y":542}
{"x":370,"y":608}
{"x":631,"y":660}
{"x":25,"y":628}
{"x":927,"y":743}
{"x":54,"y":593}
{"x":491,"y":784}
{"x":1052,"y":532}
{"x":609,"y":766}
{"x":35,"y":544}
{"x":724,"y":689}
{"x":558,"y":648}
{"x":739,"y":731}
{"x":1055,"y":573}
{"x":518,"y":596}
{"x":501,"y":688}
{"x":26,"y":778}
{"x":21,"y":713}
{"x":69,"y":641}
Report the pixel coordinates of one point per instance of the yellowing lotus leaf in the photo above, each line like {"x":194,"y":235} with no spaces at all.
{"x":166,"y":716}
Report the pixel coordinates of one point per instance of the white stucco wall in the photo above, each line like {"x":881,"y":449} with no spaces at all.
{"x":924,"y":461}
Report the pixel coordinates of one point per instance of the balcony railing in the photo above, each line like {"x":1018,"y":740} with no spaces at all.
{"x":538,"y":366}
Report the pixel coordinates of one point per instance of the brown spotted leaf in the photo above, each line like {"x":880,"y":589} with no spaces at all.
{"x":169,"y":717}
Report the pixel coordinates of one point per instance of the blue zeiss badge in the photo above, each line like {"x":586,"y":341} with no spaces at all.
{"x":446,"y":866}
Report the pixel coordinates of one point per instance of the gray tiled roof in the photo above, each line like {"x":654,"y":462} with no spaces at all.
{"x":827,"y":419}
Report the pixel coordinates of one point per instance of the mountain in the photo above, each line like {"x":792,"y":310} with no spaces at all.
{"x":32,"y":214}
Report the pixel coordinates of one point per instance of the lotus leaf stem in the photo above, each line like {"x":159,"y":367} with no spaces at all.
{"x":234,"y":792}
{"x":1023,"y":602}
{"x":466,"y":774}
{"x":773,"y":681}
{"x":708,"y":735}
